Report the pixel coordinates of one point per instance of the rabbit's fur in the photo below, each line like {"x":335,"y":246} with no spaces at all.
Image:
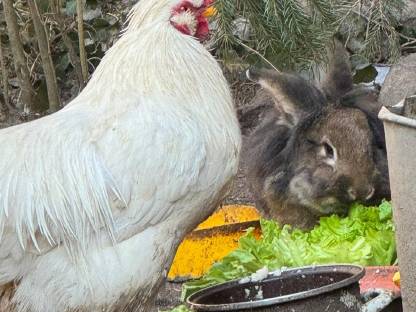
{"x":312,"y":151}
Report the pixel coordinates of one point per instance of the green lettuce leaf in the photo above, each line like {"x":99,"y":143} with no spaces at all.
{"x":364,"y":237}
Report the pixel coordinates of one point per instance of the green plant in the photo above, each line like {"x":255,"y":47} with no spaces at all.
{"x":293,"y":34}
{"x":365,"y":237}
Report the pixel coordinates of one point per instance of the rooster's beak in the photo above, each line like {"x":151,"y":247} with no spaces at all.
{"x":209,"y":12}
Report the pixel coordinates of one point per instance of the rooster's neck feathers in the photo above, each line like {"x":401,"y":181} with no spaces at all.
{"x":153,"y":58}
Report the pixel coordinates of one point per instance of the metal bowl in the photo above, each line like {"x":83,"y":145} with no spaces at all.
{"x":308,"y":289}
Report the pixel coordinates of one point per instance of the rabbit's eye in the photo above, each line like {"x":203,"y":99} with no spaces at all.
{"x":329,"y":151}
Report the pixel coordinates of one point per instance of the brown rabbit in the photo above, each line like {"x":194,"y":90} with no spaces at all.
{"x":312,"y":152}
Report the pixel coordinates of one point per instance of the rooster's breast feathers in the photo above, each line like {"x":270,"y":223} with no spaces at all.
{"x":70,"y":176}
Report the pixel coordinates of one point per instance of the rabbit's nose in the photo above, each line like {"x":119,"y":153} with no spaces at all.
{"x":352,"y":194}
{"x":370,"y":193}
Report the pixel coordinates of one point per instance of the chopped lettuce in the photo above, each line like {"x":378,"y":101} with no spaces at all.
{"x":364,"y":237}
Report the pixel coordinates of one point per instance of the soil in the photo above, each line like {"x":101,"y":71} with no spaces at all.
{"x":243,"y":93}
{"x":169,"y":297}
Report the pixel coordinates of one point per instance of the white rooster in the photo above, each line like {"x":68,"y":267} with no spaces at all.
{"x":95,"y":198}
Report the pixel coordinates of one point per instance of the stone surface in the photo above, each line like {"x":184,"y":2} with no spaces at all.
{"x":400,"y":82}
{"x":409,"y":14}
{"x":410,"y":107}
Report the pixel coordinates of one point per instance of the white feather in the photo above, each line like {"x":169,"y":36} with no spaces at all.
{"x":121,"y":174}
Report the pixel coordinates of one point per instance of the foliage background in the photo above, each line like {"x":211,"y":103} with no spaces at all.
{"x":290,"y":34}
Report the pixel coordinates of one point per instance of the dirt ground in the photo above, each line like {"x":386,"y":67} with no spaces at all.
{"x":243,"y":93}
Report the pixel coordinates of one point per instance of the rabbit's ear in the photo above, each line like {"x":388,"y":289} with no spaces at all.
{"x":291,"y":94}
{"x":337,"y":80}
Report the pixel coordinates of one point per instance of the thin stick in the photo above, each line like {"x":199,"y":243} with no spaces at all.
{"x":4,"y":76}
{"x":45,"y":53}
{"x":82,"y":52}
{"x":259,"y":54}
